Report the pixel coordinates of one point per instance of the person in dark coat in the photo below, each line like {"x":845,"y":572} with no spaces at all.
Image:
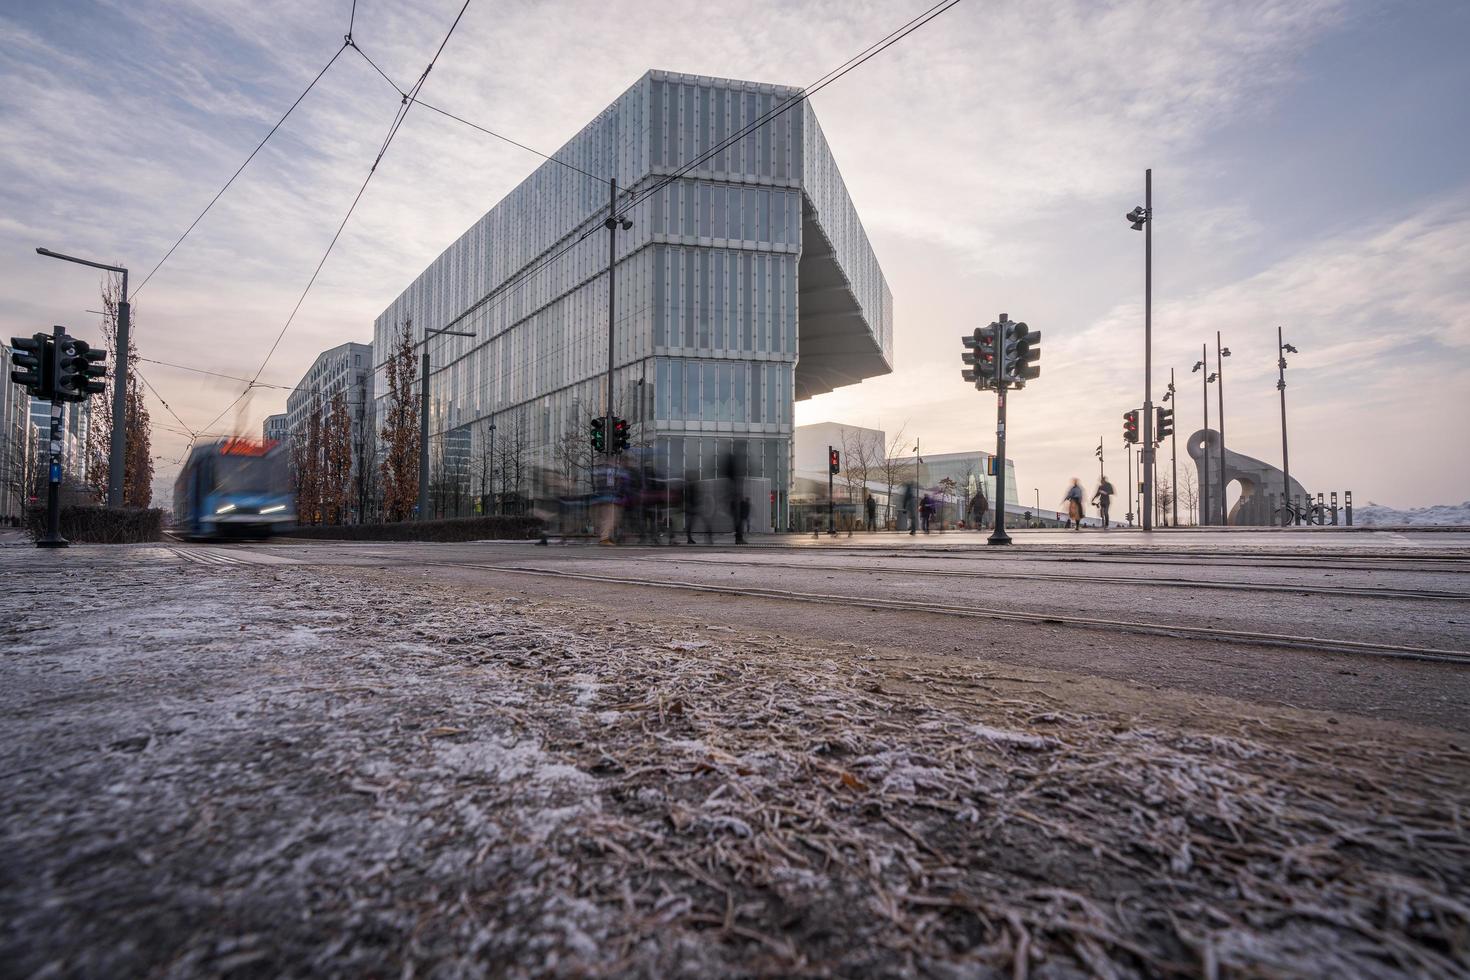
{"x":872,"y":507}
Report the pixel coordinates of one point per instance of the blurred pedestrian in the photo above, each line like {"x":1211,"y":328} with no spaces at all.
{"x":694,"y":509}
{"x":743,"y":528}
{"x":1073,"y":504}
{"x":979,"y":506}
{"x":926,"y":511}
{"x":911,"y":507}
{"x":733,"y":474}
{"x":872,"y":508}
{"x":1102,"y":498}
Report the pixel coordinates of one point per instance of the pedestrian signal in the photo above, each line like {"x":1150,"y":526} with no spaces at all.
{"x":32,"y":357}
{"x":1165,"y":428}
{"x":620,"y":435}
{"x":76,"y":367}
{"x":1130,"y":426}
{"x":1022,"y":351}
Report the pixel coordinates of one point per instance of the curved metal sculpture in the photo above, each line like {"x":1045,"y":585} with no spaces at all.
{"x":1260,"y":484}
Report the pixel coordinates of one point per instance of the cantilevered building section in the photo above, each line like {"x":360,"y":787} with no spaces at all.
{"x":744,"y":284}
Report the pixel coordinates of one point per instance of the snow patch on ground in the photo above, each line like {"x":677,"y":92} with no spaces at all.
{"x":1440,"y":515}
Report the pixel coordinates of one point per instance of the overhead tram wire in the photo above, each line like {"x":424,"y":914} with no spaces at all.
{"x":499,"y":295}
{"x":215,"y":374}
{"x":165,"y":404}
{"x":400,"y":116}
{"x":240,"y":169}
{"x":460,"y":119}
{"x":404,"y":108}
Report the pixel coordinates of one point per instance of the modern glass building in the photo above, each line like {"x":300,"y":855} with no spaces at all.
{"x":745,"y":283}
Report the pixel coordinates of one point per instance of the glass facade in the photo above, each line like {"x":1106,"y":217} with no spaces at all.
{"x":708,"y":338}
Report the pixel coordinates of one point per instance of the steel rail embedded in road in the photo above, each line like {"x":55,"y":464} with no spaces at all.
{"x":1314,"y":643}
{"x":1344,"y":591}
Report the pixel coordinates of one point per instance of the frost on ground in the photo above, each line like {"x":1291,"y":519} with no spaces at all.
{"x":262,"y":771}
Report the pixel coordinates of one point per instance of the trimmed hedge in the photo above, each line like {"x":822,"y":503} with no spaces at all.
{"x":452,"y":529}
{"x":101,"y":525}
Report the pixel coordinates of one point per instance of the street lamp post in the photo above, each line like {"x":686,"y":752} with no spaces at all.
{"x":1142,"y":219}
{"x":424,"y":417}
{"x":1132,"y":486}
{"x":1282,"y":348}
{"x":1038,"y":504}
{"x":1220,"y":354}
{"x":117,"y":446}
{"x":1204,"y":483}
{"x":612,"y":223}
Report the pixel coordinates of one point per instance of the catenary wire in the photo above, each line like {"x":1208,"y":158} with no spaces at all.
{"x":473,"y":125}
{"x":165,"y":404}
{"x":216,"y":374}
{"x":240,"y":169}
{"x":398,"y":119}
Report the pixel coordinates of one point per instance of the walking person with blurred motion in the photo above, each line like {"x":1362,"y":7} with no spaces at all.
{"x":1102,"y":497}
{"x":1073,"y":503}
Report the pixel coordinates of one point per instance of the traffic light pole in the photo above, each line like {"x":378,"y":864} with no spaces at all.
{"x":52,"y":537}
{"x":612,"y":307}
{"x":999,"y":535}
{"x":1148,"y":351}
{"x":1285,"y":461}
{"x":831,"y":509}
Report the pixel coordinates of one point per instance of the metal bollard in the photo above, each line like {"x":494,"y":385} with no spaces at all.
{"x":1334,"y":508}
{"x":1347,"y":504}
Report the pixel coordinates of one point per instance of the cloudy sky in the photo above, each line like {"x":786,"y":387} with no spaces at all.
{"x":1311,"y":169}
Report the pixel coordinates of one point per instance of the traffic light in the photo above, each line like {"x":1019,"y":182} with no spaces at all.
{"x":1130,"y":426}
{"x":834,"y":461}
{"x":76,"y":366}
{"x":599,"y":436}
{"x":1165,"y":427}
{"x":1022,"y":351}
{"x":979,"y":357}
{"x":33,"y":356}
{"x":620,"y":435}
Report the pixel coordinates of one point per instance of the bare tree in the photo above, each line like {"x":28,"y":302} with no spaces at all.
{"x":365,"y":483}
{"x":512,"y":447}
{"x":1189,"y":495}
{"x":400,"y":431}
{"x":894,"y":462}
{"x":1163,"y":498}
{"x":860,"y":452}
{"x":336,"y":462}
{"x":306,"y":461}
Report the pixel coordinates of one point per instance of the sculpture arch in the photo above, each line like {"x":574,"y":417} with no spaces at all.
{"x":1260,"y":483}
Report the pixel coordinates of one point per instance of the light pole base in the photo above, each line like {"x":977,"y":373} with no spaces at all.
{"x":56,"y":542}
{"x":998,"y":537}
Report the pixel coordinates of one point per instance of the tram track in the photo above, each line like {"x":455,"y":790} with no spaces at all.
{"x":1346,"y":592}
{"x":1450,"y":562}
{"x":1181,"y":631}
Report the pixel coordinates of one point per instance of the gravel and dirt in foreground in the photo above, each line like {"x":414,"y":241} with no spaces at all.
{"x":274,"y":770}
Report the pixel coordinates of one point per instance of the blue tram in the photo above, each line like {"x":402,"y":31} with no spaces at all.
{"x":234,"y":488}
